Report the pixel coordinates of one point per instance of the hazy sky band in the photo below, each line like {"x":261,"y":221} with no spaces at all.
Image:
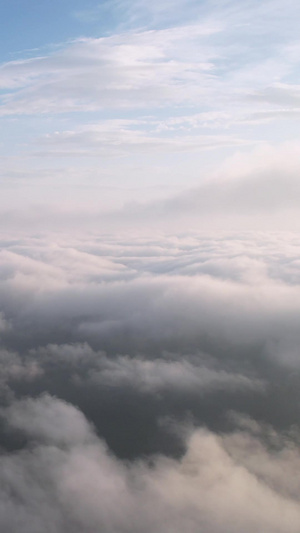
{"x":141,"y":102}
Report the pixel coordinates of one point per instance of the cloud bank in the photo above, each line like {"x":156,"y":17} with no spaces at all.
{"x":67,"y":480}
{"x":141,"y":374}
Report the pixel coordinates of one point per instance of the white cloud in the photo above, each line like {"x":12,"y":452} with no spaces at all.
{"x":133,"y":69}
{"x":102,"y":291}
{"x":122,"y":138}
{"x":195,"y":64}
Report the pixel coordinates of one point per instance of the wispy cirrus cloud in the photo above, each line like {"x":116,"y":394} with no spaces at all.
{"x":129,"y":70}
{"x":182,"y":65}
{"x":123,"y":137}
{"x":220,"y":79}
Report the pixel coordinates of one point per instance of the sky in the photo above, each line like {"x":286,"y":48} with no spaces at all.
{"x":118,"y":109}
{"x":149,"y":266}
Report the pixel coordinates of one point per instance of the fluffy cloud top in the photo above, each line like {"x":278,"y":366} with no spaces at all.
{"x":67,"y":480}
{"x":146,"y":374}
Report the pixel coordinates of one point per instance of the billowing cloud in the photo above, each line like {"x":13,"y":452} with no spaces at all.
{"x":149,"y":373}
{"x":189,"y":327}
{"x":67,"y":480}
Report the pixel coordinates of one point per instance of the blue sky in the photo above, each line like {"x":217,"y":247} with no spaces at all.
{"x":121,"y":106}
{"x":32,"y":24}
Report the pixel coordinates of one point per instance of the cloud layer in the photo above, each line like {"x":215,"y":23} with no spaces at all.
{"x":145,"y":374}
{"x":67,"y":480}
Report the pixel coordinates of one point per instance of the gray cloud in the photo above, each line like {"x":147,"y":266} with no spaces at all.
{"x":67,"y":480}
{"x":138,"y":373}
